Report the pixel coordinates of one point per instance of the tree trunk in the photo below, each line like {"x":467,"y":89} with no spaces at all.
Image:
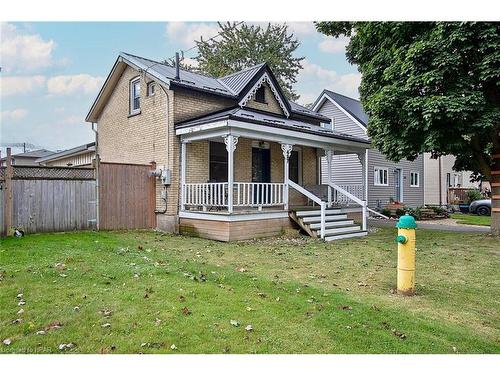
{"x":495,"y":189}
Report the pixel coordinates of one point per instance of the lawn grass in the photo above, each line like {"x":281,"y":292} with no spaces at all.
{"x":299,"y":294}
{"x":472,"y":219}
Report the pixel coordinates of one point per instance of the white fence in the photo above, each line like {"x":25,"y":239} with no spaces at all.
{"x":245,"y":194}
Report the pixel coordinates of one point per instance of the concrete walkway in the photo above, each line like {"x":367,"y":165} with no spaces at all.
{"x":433,"y":225}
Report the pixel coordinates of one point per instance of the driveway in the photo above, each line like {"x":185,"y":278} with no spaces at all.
{"x":445,"y":224}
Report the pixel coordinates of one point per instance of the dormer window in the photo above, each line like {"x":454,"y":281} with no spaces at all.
{"x":135,"y":96}
{"x":260,"y":95}
{"x":329,"y":125}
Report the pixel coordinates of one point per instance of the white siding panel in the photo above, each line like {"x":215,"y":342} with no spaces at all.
{"x":342,"y":123}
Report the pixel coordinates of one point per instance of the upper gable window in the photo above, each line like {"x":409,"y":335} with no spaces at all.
{"x":135,"y":96}
{"x":260,"y":94}
{"x":329,"y":125}
{"x":151,"y":88}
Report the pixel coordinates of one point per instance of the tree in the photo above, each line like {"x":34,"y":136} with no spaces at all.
{"x":241,"y":47}
{"x":430,"y":87}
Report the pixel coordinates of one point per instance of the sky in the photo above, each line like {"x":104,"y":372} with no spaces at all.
{"x":52,"y":71}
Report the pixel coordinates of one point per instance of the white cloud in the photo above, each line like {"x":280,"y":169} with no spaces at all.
{"x":333,"y":45}
{"x":24,"y":52}
{"x":313,"y":78}
{"x":14,"y":115}
{"x":73,"y":119}
{"x":297,"y":28}
{"x":71,"y":84}
{"x":16,"y":85}
{"x":191,"y":62}
{"x":186,"y":34}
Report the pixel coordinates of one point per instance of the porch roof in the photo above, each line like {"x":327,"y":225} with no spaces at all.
{"x":243,"y":121}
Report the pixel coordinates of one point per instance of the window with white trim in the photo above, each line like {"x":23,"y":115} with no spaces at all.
{"x":414,"y":179}
{"x":329,"y":125}
{"x":151,"y":88}
{"x":135,"y":96}
{"x":381,"y":176}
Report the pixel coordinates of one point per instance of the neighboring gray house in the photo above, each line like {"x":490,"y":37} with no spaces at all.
{"x":27,"y":158}
{"x":403,"y":181}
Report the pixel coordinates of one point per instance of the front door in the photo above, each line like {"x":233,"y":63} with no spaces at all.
{"x":398,"y":184}
{"x":261,"y":170}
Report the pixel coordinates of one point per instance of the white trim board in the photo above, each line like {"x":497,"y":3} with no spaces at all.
{"x":233,"y":217}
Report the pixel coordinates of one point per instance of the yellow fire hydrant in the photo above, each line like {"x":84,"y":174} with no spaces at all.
{"x":406,"y":254}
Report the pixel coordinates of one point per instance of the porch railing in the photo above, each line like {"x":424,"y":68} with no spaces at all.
{"x":342,"y":199}
{"x":258,"y":194}
{"x":337,"y":190}
{"x":245,"y":194}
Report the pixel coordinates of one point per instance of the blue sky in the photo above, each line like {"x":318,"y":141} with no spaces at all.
{"x":51,"y":72}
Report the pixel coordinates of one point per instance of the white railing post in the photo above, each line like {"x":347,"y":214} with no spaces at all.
{"x":231,"y":141}
{"x":183,"y":176}
{"x":365,"y":215}
{"x":287,"y":150}
{"x":323,"y":219}
{"x":329,"y":160}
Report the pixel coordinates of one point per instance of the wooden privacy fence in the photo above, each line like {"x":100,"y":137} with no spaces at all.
{"x":44,"y":199}
{"x":458,"y":195}
{"x":126,"y":196}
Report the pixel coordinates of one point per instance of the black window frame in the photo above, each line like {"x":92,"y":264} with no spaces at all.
{"x":260,"y":95}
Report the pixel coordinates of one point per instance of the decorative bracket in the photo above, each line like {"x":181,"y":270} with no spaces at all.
{"x":230,"y":141}
{"x":287,"y":150}
{"x":251,"y":93}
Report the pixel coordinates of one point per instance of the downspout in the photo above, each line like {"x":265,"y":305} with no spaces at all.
{"x":97,"y":162}
{"x":168,"y":151}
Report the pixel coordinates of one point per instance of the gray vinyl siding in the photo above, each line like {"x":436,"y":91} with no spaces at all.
{"x":381,"y":195}
{"x":342,"y":123}
{"x":347,"y":168}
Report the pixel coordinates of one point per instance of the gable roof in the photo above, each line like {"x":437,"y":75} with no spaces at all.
{"x":88,"y":147}
{"x":350,"y":105}
{"x":35,"y":154}
{"x":234,"y":86}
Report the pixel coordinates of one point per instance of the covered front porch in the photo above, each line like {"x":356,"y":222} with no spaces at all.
{"x":235,"y":171}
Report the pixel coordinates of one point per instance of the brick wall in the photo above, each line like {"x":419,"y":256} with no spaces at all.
{"x":272,"y":104}
{"x":137,"y":139}
{"x":189,"y":104}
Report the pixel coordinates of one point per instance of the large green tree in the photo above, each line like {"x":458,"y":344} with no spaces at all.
{"x":429,"y":87}
{"x":245,"y":45}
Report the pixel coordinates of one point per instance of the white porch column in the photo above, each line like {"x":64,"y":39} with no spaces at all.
{"x":329,"y":162}
{"x":287,"y":150}
{"x":231,"y":141}
{"x":363,"y":159}
{"x":183,"y":175}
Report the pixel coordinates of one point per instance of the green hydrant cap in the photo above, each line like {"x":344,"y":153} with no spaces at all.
{"x":401,"y":239}
{"x":406,"y":222}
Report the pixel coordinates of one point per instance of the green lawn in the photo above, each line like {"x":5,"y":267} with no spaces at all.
{"x":472,"y":219}
{"x":299,"y":295}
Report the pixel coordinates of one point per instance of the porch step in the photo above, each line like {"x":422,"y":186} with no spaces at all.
{"x":345,"y":235}
{"x":333,"y":211}
{"x":332,"y":224}
{"x":328,"y":218}
{"x":337,"y":226}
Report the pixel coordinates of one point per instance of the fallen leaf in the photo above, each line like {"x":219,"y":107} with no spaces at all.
{"x":345,"y":307}
{"x":181,"y":298}
{"x":249,"y":328}
{"x":234,"y":323}
{"x":21,"y":311}
{"x":66,"y":346}
{"x":60,"y":266}
{"x":42,"y":332}
{"x":157,"y":322}
{"x":20,"y":296}
{"x":106,"y":312}
{"x":7,"y":341}
{"x":173,"y":347}
{"x":401,"y":335}
{"x":241,"y":269}
{"x":105,"y":325}
{"x":53,"y":325}
{"x":16,"y":321}
{"x":262,"y":295}
{"x":186,"y":311}
{"x":277,"y":299}
{"x":250,"y":309}
{"x":76,"y":308}
{"x":21,"y":303}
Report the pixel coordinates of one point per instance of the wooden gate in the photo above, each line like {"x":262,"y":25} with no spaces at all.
{"x":126,"y":196}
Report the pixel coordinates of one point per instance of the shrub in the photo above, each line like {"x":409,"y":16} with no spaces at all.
{"x":473,"y":195}
{"x":386,"y":212}
{"x":400,"y":212}
{"x":415,"y":212}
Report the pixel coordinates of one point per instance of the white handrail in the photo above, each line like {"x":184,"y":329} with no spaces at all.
{"x":305,"y":192}
{"x":377,"y":213}
{"x":352,"y":197}
{"x":314,"y":198}
{"x":346,"y":193}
